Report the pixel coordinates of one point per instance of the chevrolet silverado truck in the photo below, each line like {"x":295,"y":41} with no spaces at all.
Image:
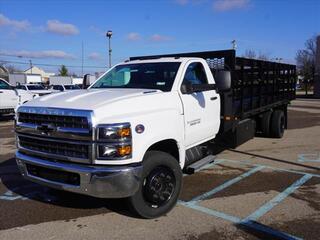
{"x":11,"y":98}
{"x":134,"y":131}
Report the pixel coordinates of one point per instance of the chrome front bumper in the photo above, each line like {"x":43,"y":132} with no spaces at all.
{"x":97,"y":181}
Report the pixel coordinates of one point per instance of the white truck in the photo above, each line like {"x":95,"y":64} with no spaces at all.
{"x":65,"y":83}
{"x":10,"y":97}
{"x":134,"y":131}
{"x":38,"y":89}
{"x":22,"y":78}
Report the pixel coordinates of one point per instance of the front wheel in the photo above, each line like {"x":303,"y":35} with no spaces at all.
{"x":159,"y":187}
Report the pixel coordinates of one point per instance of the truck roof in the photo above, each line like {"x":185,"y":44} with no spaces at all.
{"x":162,"y":59}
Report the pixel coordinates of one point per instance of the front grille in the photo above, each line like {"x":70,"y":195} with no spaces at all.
{"x":54,"y":175}
{"x":56,"y":148}
{"x":56,"y":120}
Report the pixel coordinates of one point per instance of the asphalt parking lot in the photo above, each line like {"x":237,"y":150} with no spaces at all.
{"x":264,"y":189}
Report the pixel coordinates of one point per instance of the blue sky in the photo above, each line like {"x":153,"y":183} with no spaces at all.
{"x":52,"y":32}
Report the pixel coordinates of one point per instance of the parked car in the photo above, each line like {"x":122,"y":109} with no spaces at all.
{"x":11,"y":98}
{"x":34,"y":88}
{"x":63,"y":87}
{"x":134,"y":130}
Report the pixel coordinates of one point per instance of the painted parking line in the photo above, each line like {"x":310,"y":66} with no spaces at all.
{"x":227,"y":184}
{"x":277,"y":199}
{"x":309,"y":157}
{"x":250,"y":221}
{"x":249,"y":224}
{"x":211,"y":212}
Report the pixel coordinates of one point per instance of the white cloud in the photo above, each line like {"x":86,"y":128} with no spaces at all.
{"x":58,"y":54}
{"x":133,"y":36}
{"x":159,"y":38}
{"x":95,"y":56}
{"x":227,"y":5}
{"x":57,"y":27}
{"x":14,"y":24}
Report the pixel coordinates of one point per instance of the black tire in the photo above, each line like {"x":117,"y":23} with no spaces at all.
{"x":265,"y":124}
{"x":277,"y":124}
{"x":159,"y":187}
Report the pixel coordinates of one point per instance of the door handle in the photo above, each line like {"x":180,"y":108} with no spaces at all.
{"x":213,"y":98}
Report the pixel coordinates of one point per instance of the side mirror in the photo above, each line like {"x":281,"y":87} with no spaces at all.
{"x":189,"y":88}
{"x":86,"y":81}
{"x":223,"y":80}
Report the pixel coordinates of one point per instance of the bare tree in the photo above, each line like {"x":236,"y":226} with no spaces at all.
{"x":306,"y":61}
{"x":263,"y":56}
{"x":10,"y":68}
{"x":250,"y":53}
{"x":316,"y":91}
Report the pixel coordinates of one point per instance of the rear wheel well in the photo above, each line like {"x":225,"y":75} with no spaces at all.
{"x":169,"y":146}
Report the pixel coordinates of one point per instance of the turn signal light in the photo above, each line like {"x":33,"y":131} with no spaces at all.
{"x":124,"y":150}
{"x":124,"y":132}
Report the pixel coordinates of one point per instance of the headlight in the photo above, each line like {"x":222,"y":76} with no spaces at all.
{"x":114,"y":132}
{"x":114,"y":151}
{"x":114,"y":141}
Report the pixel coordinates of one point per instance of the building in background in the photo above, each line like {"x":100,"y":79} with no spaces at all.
{"x":36,"y":70}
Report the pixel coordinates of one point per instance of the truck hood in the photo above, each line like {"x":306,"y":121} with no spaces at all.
{"x":90,"y":99}
{"x":112,"y":103}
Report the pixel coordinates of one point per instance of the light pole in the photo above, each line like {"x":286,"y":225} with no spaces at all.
{"x":109,"y":35}
{"x":234,"y":44}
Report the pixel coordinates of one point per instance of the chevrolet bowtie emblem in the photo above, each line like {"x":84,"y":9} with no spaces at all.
{"x":45,"y":129}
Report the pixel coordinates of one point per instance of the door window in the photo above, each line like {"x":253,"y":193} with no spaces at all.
{"x":195,"y":74}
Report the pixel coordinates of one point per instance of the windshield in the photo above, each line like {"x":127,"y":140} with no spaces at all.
{"x":71,"y":87}
{"x":4,"y":85}
{"x":141,"y":75}
{"x":35,"y":87}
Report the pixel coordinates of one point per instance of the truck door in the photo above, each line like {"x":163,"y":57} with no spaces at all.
{"x":8,"y":97}
{"x":201,"y":109}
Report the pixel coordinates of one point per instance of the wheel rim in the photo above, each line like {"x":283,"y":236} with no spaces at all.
{"x":159,"y":186}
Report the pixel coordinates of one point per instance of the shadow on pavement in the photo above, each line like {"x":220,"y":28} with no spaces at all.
{"x":275,"y":159}
{"x":16,"y":193}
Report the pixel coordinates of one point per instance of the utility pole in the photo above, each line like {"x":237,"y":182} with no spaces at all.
{"x":30,"y":61}
{"x":109,"y":35}
{"x":316,"y":89}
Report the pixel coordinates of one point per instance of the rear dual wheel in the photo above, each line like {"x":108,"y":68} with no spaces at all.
{"x":159,"y":187}
{"x":273,"y":124}
{"x":277,"y":124}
